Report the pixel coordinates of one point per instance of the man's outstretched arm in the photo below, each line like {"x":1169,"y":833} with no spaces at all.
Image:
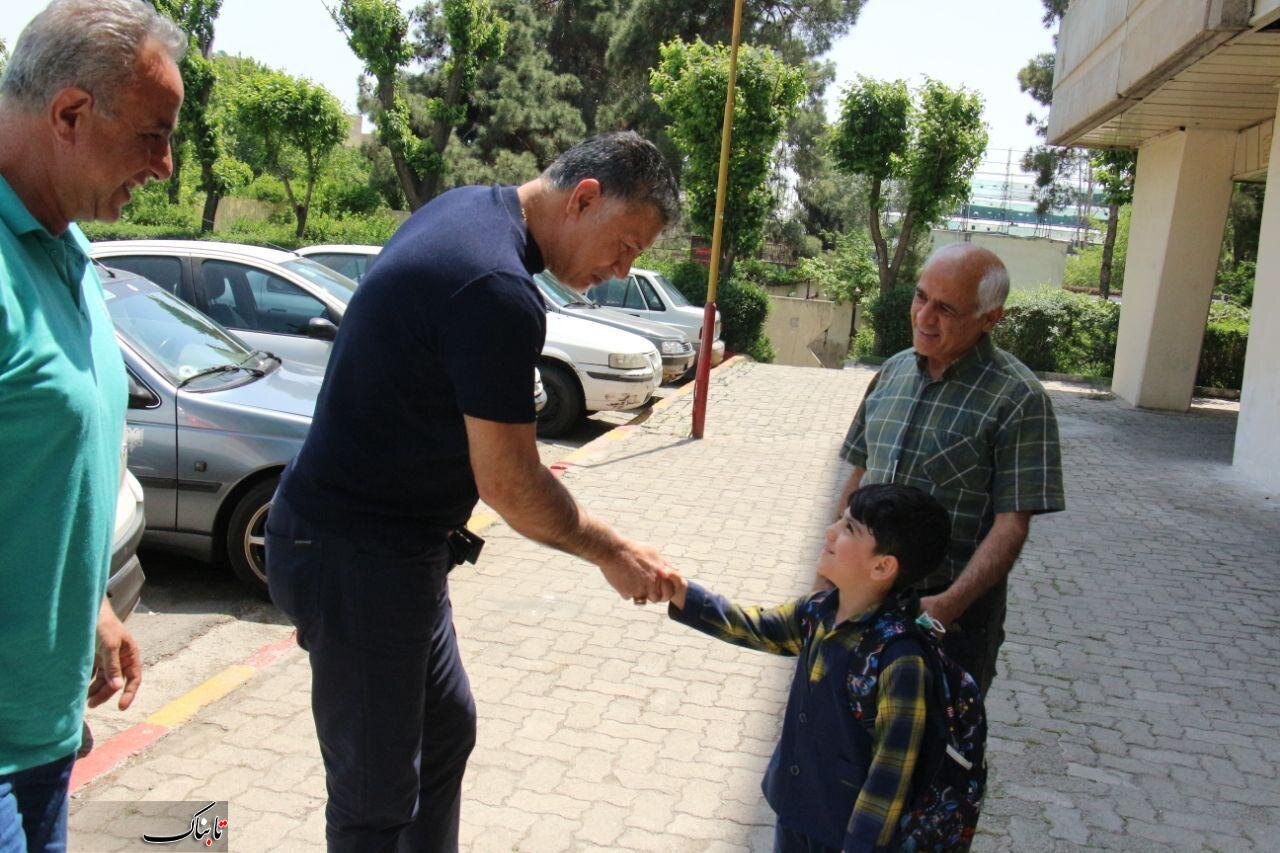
{"x":514,"y":482}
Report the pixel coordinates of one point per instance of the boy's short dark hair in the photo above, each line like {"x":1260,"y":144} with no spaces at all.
{"x":907,"y":523}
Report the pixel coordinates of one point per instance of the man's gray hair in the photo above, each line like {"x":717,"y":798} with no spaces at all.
{"x":993,"y":289}
{"x":85,"y":44}
{"x":628,"y":167}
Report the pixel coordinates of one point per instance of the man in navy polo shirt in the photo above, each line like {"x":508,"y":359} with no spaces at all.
{"x":427,"y":405}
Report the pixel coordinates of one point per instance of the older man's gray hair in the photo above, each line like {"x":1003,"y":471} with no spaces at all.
{"x":85,"y":44}
{"x":993,"y":287}
{"x":628,"y":167}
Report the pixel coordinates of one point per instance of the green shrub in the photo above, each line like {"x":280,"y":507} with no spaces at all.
{"x":374,"y":229}
{"x":690,"y":278}
{"x":743,"y":308}
{"x":1222,"y":353}
{"x":889,"y":318}
{"x":266,"y":188}
{"x":150,"y":206}
{"x":863,"y":343}
{"x":761,"y":349}
{"x":1236,"y":283}
{"x":1055,"y":330}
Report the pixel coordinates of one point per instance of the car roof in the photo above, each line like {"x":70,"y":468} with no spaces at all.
{"x":343,"y":248}
{"x":245,"y":250}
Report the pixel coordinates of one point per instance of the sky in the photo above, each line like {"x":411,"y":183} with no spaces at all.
{"x":980,"y":45}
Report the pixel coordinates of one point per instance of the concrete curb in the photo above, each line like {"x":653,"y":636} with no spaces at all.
{"x":121,"y":747}
{"x":134,"y":740}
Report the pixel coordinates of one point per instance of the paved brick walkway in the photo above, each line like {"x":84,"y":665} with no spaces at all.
{"x":1135,"y":708}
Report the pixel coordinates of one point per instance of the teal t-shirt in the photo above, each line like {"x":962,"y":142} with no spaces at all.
{"x":63,"y":395}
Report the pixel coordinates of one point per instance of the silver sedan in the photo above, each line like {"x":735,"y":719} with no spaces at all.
{"x":210,"y":427}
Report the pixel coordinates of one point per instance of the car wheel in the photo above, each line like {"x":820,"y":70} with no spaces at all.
{"x":564,"y":401}
{"x":246,"y":536}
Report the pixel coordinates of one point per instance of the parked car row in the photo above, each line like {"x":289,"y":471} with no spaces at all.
{"x":225,"y":348}
{"x":672,"y":331}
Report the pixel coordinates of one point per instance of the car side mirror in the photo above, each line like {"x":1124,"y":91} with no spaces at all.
{"x":321,"y":329}
{"x":140,"y":397}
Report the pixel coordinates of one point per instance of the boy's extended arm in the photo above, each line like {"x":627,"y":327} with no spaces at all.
{"x":775,"y":630}
{"x":899,"y":731}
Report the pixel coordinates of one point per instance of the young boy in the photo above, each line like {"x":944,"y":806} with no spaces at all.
{"x":835,"y":781}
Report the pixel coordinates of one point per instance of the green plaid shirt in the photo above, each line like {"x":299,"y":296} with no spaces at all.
{"x":901,"y":696}
{"x":982,"y":439}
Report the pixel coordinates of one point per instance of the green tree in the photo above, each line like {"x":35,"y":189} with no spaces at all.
{"x":1055,"y":167}
{"x":690,"y":85}
{"x":927,"y":146}
{"x":798,"y":30}
{"x":4,"y":56}
{"x":458,"y":38}
{"x":198,"y":126}
{"x":522,"y":112}
{"x":296,"y":124}
{"x":1114,"y":170}
{"x":577,"y":40}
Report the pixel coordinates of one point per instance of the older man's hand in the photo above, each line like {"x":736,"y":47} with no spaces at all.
{"x":940,"y":608}
{"x":117,"y":662}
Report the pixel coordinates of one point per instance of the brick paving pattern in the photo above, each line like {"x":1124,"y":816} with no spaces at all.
{"x":1135,"y":707}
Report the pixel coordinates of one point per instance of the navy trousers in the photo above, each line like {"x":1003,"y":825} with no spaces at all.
{"x":393,"y":707}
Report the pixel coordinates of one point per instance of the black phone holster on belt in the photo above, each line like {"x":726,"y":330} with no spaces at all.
{"x":464,"y":546}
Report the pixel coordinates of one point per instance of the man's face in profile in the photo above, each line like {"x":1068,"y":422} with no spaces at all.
{"x":601,"y":237}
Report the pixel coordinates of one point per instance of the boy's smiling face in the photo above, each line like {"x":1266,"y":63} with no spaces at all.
{"x":849,"y":560}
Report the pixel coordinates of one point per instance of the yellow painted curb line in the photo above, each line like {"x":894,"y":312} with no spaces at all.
{"x":184,"y":707}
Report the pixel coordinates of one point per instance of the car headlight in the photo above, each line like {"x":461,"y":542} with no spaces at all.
{"x":628,"y":361}
{"x":674,"y":347}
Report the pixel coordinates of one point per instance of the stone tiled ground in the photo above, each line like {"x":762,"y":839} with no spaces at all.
{"x":1135,"y":708}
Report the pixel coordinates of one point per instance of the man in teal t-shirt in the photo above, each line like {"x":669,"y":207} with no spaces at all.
{"x":74,"y":141}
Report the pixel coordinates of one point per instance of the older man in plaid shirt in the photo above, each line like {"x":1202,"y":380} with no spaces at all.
{"x":970,"y":424}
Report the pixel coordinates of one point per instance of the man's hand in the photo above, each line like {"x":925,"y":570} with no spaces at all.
{"x":941,"y":608}
{"x":639,"y":572}
{"x":117,"y":663}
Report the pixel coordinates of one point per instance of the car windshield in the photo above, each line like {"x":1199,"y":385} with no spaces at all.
{"x":334,"y":282}
{"x":561,"y":293}
{"x":676,"y":297}
{"x":174,"y":338}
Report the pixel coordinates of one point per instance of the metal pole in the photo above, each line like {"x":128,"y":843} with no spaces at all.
{"x":717,"y":233}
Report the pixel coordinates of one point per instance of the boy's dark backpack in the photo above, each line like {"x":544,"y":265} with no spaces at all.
{"x":951,"y":772}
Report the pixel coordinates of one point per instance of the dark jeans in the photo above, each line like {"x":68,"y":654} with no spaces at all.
{"x":33,"y":808}
{"x":789,"y":841}
{"x":392,"y":704}
{"x":974,"y":640}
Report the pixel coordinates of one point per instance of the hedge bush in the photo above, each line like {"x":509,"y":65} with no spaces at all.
{"x":888,"y":316}
{"x":743,"y":306}
{"x":373,"y":229}
{"x":1057,"y":331}
{"x":1222,"y":353}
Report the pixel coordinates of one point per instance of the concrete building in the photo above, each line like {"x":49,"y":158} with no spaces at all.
{"x":1191,"y":84}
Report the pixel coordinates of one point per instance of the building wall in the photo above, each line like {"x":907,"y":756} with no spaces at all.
{"x":235,"y":209}
{"x":808,"y":332}
{"x":1031,"y":261}
{"x":1111,"y":53}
